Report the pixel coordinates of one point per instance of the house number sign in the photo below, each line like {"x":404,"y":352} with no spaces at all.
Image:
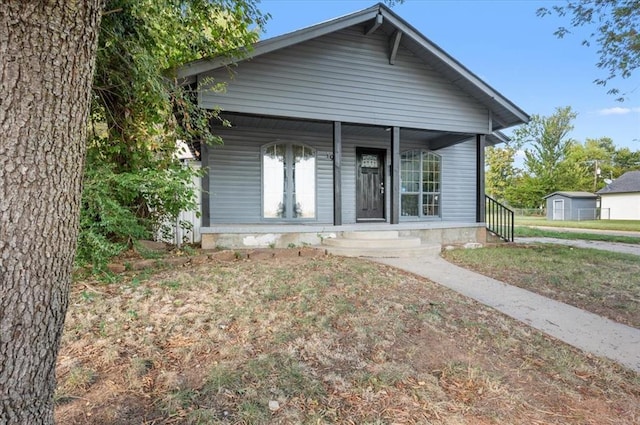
{"x":325,"y":155}
{"x":370,"y":161}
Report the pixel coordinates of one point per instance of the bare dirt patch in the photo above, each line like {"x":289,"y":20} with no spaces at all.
{"x":299,"y":337}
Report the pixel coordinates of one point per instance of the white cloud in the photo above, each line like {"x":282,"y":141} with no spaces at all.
{"x":617,"y":110}
{"x":614,"y":111}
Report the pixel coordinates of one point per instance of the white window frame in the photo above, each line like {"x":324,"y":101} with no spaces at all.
{"x":421,"y":193}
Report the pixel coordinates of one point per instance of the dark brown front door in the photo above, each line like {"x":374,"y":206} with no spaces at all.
{"x":370,"y":184}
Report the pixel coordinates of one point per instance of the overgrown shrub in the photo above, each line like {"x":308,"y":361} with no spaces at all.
{"x":118,"y":208}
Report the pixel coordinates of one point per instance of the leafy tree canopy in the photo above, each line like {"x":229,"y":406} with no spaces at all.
{"x":141,"y":41}
{"x":548,"y":141}
{"x":546,"y":145}
{"x":616,"y":33}
{"x":501,"y":171}
{"x":134,"y":182}
{"x":591,"y":162}
{"x":625,"y":159}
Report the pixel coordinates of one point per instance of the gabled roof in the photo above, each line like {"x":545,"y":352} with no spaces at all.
{"x":626,"y":183}
{"x":573,"y":195}
{"x":504,"y":113}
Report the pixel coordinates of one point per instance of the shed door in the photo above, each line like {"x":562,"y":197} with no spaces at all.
{"x":558,"y":209}
{"x":370,"y":185}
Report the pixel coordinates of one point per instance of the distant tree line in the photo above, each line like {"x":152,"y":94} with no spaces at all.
{"x":553,"y":162}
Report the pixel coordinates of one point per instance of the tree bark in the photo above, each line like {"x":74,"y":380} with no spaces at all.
{"x":47,"y":53}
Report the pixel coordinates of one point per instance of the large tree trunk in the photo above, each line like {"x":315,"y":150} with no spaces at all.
{"x":47,"y":51}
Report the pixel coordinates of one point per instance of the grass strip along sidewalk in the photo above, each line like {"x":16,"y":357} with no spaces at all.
{"x":605,"y":225}
{"x":528,"y":232}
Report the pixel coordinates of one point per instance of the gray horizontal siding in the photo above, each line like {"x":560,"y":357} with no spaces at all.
{"x":345,"y":76}
{"x":459,"y":182}
{"x":324,"y":177}
{"x":235,"y":181}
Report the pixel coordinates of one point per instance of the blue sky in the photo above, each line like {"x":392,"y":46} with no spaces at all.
{"x":509,"y":47}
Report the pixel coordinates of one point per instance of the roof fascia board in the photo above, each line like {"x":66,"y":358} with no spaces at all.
{"x":497,"y":137}
{"x":573,"y":195}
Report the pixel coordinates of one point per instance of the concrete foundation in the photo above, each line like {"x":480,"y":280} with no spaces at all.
{"x":283,"y":236}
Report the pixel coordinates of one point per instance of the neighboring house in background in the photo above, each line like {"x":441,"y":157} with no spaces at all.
{"x":572,"y":206}
{"x":357,"y":123}
{"x":622,"y":197}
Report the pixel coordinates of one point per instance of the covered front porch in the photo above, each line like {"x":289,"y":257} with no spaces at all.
{"x":345,"y":189}
{"x":350,"y":165}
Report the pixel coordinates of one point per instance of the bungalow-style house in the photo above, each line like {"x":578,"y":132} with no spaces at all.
{"x":572,"y":206}
{"x":622,"y":197}
{"x":359,"y":123}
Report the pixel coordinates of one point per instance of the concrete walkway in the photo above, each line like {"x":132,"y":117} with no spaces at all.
{"x":581,"y":329}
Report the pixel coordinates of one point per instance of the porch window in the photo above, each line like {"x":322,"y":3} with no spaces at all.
{"x":420,"y":185}
{"x":288,"y":181}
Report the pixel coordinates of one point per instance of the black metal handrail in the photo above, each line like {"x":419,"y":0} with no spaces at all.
{"x":499,"y":219}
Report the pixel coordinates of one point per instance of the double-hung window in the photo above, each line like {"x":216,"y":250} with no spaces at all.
{"x":288,"y":181}
{"x":420,"y":172}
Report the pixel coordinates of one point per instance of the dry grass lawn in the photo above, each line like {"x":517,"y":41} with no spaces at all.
{"x":301,"y":338}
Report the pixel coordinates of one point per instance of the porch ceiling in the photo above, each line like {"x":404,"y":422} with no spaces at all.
{"x":438,"y":138}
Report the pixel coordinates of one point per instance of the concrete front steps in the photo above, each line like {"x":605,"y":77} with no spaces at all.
{"x":381,"y":244}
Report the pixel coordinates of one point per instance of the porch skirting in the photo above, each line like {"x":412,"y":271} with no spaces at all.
{"x":240,"y":236}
